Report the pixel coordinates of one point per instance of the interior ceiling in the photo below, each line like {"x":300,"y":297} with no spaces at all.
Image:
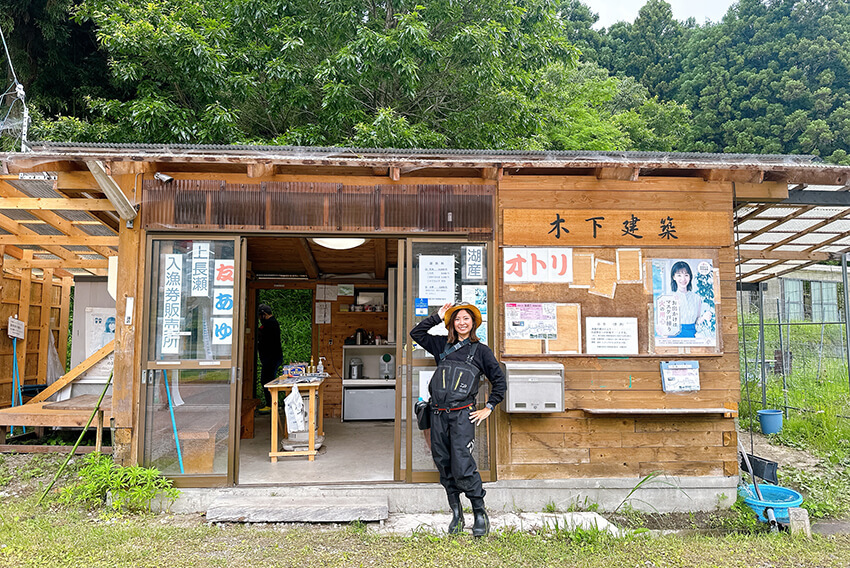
{"x":285,"y":255}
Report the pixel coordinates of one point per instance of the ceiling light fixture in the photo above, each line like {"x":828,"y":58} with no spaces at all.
{"x":338,"y":244}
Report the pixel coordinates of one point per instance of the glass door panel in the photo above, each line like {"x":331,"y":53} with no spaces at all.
{"x":191,"y":343}
{"x":439,"y":272}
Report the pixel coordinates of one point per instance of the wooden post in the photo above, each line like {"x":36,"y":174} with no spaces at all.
{"x":125,"y":388}
{"x":64,"y":320}
{"x":44,"y":324}
{"x":24,"y":314}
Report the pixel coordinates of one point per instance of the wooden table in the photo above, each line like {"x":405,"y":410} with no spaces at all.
{"x":314,"y":390}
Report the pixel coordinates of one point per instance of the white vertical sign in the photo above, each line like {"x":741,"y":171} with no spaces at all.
{"x":473,"y":263}
{"x":222,"y":301}
{"x":222,"y":331}
{"x":224,"y":272}
{"x":172,"y":301}
{"x":201,"y":269}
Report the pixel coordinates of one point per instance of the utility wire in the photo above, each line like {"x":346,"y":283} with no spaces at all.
{"x":20,"y":95}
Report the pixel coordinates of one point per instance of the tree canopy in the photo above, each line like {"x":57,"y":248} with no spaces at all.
{"x":771,"y":77}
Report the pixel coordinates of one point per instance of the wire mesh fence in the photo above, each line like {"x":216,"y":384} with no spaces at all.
{"x":795,"y":362}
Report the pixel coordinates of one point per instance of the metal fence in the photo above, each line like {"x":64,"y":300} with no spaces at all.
{"x":796,"y":364}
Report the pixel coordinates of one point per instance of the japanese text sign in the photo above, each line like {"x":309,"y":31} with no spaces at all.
{"x":537,"y":264}
{"x":552,"y":227}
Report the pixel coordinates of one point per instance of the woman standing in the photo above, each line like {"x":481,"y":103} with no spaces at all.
{"x":461,"y":360}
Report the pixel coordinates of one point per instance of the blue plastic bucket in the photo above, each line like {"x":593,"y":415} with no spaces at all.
{"x":770,"y":421}
{"x":780,"y":499}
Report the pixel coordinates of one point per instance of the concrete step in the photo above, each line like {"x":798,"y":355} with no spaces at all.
{"x":276,"y":509}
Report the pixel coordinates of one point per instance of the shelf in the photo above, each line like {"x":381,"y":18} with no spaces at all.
{"x":728,"y":412}
{"x":385,"y":346}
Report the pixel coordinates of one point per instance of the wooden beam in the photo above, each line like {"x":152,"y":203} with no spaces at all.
{"x":260,"y":170}
{"x":53,"y":204}
{"x":59,"y":240}
{"x":767,"y":192}
{"x":79,"y":180}
{"x":775,"y":224}
{"x":380,"y":258}
{"x":57,"y":264}
{"x":56,"y":221}
{"x":307,"y":258}
{"x":745,"y":254}
{"x":74,"y":373}
{"x":125,"y":208}
{"x":395,"y":174}
{"x":618,"y":173}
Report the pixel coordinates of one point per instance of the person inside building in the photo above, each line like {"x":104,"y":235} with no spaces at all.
{"x":461,"y":360}
{"x":271,"y":353}
{"x":692,"y":308}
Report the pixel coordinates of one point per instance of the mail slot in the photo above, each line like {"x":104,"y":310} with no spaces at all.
{"x":534,"y":387}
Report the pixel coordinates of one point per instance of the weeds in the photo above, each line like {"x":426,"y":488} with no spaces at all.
{"x":550,"y":507}
{"x":826,"y":491}
{"x":130,"y":488}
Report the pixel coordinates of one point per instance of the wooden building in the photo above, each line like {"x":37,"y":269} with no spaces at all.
{"x":572,"y":255}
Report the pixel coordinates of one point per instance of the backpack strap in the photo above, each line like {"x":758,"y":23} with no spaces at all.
{"x":451,"y":349}
{"x":471,"y":354}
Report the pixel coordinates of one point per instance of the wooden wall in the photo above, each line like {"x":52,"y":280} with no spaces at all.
{"x":578,"y":443}
{"x":45,"y":308}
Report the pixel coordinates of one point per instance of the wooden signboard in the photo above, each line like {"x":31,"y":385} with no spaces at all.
{"x":620,"y":228}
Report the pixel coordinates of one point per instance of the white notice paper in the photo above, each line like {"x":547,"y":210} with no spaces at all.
{"x":437,"y":279}
{"x":323,"y":312}
{"x":612,"y":336}
{"x":531,"y":321}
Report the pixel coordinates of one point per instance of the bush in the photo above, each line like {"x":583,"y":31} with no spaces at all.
{"x":130,"y":488}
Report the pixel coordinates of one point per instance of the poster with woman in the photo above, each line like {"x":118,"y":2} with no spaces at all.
{"x":683,"y":302}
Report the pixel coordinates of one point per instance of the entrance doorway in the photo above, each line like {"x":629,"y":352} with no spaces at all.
{"x":335,"y":306}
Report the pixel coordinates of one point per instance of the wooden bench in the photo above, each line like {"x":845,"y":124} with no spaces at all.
{"x":197,"y":430}
{"x":71,"y":413}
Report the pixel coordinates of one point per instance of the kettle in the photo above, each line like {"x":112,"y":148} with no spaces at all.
{"x":360,"y":336}
{"x":355,"y":368}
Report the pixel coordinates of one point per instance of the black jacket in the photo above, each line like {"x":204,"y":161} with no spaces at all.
{"x":268,"y":340}
{"x":483,"y":359}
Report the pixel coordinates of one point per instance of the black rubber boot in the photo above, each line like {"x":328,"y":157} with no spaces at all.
{"x":481,"y":523}
{"x":457,"y":523}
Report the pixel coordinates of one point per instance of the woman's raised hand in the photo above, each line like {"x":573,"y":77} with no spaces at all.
{"x":444,"y":309}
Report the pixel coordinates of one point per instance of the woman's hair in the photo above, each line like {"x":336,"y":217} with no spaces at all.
{"x":678,"y":267}
{"x":453,"y":334}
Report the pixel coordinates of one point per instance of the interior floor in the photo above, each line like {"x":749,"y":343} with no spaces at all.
{"x":358,"y":451}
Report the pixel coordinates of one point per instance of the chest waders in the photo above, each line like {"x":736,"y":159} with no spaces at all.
{"x":453,"y":388}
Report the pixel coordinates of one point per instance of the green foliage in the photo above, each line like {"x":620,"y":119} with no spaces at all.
{"x":826,"y":491}
{"x":550,"y":507}
{"x":130,"y":489}
{"x":293,"y":310}
{"x":498,"y":74}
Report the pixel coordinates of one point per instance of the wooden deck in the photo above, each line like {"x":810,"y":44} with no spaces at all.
{"x":71,"y":413}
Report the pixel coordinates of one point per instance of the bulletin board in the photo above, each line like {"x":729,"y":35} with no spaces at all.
{"x":617,"y":287}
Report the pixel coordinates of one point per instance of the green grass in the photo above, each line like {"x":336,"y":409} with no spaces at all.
{"x":32,"y":536}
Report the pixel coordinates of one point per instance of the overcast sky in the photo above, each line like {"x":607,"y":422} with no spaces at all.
{"x":611,"y":11}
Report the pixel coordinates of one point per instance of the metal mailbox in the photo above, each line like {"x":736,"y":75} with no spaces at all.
{"x":534,"y":387}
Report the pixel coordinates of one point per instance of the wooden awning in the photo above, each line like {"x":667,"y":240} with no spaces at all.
{"x":775,"y":237}
{"x":47,"y":224}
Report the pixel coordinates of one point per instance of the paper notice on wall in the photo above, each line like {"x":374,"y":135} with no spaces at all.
{"x":475,"y":295}
{"x":345,"y":290}
{"x":680,"y":376}
{"x":612,"y":336}
{"x":100,"y":330}
{"x":531,"y":321}
{"x":323,"y":312}
{"x":437,"y":279}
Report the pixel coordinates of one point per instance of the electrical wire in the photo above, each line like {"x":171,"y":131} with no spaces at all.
{"x":19,"y":95}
